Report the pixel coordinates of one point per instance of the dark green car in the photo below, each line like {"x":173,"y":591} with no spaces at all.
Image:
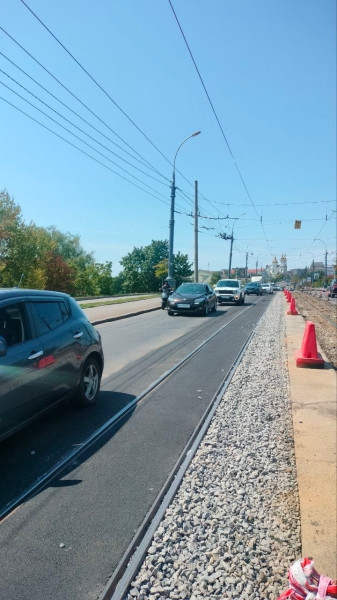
{"x":49,"y":352}
{"x":254,"y":288}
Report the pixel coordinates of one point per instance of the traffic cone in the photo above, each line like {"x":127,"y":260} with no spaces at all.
{"x":292,"y":310}
{"x":289,"y":297}
{"x":308,"y":355}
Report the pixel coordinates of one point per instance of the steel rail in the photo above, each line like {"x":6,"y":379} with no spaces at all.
{"x":120,"y":581}
{"x":315,"y":309}
{"x":66,"y":460}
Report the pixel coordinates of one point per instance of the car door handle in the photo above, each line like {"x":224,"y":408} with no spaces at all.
{"x":35,"y":355}
{"x":78,"y":335}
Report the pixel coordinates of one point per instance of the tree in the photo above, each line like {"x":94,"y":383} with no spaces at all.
{"x":181,"y":268}
{"x":140,"y":267}
{"x":215,"y":277}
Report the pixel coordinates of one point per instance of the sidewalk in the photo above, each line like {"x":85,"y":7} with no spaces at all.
{"x":114,"y":312}
{"x":313,"y":398}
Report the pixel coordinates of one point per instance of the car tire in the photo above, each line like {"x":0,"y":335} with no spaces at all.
{"x":170,"y":312}
{"x":214,"y":306}
{"x":89,"y":384}
{"x":242,"y":300}
{"x":205,"y":310}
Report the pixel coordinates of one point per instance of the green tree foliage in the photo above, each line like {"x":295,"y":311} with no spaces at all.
{"x":215,"y":277}
{"x":181,"y":268}
{"x":140,"y":266}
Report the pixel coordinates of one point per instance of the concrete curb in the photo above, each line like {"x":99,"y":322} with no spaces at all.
{"x":133,"y":314}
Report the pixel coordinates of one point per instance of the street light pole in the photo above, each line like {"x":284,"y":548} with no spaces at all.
{"x":325,"y":262}
{"x":173,"y":194}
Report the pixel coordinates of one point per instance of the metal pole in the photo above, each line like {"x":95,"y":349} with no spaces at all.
{"x":171,"y":225}
{"x":230,"y":256}
{"x":196,"y":272}
{"x":246,"y":267}
{"x":256,"y":266}
{"x":326,"y":269}
{"x":312,"y":274}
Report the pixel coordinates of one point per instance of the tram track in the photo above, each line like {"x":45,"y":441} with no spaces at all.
{"x":120,"y":582}
{"x":73,"y":455}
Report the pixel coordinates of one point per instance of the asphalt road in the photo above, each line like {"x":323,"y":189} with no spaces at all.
{"x":95,"y":508}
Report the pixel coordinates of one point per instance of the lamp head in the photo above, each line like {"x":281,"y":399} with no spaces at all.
{"x":196,"y":133}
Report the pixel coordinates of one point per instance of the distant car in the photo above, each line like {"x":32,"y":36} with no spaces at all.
{"x":333,"y":288}
{"x":254,"y":287}
{"x":192,"y":298}
{"x":230,"y":290}
{"x":267,"y":288}
{"x":276,"y":288}
{"x":49,"y":352}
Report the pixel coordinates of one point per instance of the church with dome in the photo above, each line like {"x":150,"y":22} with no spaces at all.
{"x":278,"y":267}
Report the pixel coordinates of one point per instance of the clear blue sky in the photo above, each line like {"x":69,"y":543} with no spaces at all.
{"x":270,"y":70}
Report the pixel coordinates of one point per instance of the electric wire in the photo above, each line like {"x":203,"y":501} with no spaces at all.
{"x":148,"y":166}
{"x":217,"y":119}
{"x":83,"y":141}
{"x":102,"y":89}
{"x":83,"y":152}
{"x":72,"y":94}
{"x":73,"y":124}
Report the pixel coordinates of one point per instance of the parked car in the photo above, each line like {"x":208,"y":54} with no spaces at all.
{"x":230,"y":290}
{"x":192,"y":298}
{"x":267,"y":288}
{"x":254,"y":287}
{"x":49,"y":352}
{"x":333,"y":288}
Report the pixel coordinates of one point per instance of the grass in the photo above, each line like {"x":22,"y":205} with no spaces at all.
{"x":120,"y":301}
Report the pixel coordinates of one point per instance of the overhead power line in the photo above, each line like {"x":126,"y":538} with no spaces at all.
{"x":148,"y":166}
{"x":216,"y":116}
{"x":73,"y":124}
{"x":95,"y":82}
{"x":104,"y":91}
{"x":82,"y":151}
{"x":72,"y":94}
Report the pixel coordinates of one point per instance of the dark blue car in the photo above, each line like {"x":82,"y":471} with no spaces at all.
{"x":49,"y":352}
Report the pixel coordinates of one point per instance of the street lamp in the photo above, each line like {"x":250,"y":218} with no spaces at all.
{"x":313,"y":267}
{"x":325,"y":262}
{"x":173,"y":194}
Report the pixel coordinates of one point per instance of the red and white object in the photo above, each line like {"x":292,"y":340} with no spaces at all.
{"x":307,"y":584}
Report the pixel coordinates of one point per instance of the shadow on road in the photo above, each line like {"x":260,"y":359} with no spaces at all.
{"x":35,"y":450}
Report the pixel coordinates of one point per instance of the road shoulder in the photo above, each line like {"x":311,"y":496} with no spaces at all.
{"x":313,"y":399}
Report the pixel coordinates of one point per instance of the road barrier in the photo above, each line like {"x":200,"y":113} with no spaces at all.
{"x":308,"y":356}
{"x":292,"y":310}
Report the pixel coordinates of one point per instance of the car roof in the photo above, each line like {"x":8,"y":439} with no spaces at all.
{"x":7,"y":293}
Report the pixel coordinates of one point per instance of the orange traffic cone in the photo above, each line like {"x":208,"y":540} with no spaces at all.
{"x":292,"y":310}
{"x":308,"y":355}
{"x":289,"y":297}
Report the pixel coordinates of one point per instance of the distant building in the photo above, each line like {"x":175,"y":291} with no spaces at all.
{"x":278,"y":268}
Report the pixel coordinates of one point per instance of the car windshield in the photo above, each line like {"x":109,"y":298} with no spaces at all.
{"x":191,"y":288}
{"x":251,"y":284}
{"x":227,"y":283}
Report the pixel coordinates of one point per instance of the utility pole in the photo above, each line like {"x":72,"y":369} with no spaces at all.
{"x":256,"y":266}
{"x":246,"y":267}
{"x":313,"y":274}
{"x":326,"y":269}
{"x":230,"y":255}
{"x":196,"y":268}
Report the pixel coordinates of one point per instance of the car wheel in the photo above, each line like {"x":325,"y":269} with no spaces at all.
{"x":214,"y":306}
{"x":170,"y":312}
{"x":205,"y":310}
{"x":89,"y":385}
{"x":242,"y":300}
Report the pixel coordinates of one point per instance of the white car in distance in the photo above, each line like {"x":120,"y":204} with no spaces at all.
{"x":267,"y":288}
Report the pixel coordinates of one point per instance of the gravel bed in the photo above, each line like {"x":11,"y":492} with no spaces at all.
{"x":233,"y":528}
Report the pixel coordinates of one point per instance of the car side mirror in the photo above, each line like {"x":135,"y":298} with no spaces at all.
{"x":3,"y":346}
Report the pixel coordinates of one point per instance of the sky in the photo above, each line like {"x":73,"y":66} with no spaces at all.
{"x":270,"y":71}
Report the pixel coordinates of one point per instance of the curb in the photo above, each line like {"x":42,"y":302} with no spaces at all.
{"x":133,"y":314}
